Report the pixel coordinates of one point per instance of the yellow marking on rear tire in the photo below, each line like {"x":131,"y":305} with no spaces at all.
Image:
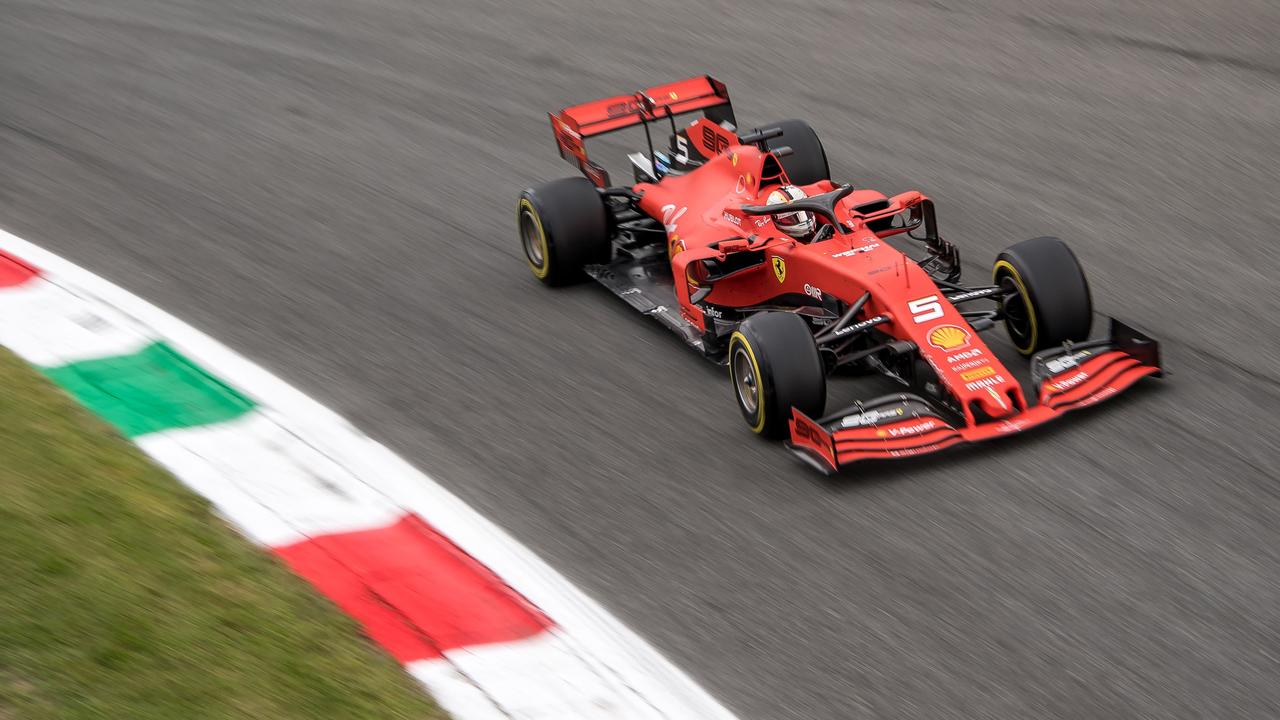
{"x":738,"y":337}
{"x":521,"y":208}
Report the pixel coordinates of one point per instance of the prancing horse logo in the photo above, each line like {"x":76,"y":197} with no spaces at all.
{"x":780,"y":268}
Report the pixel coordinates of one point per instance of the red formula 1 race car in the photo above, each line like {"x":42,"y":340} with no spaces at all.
{"x":743,"y":245}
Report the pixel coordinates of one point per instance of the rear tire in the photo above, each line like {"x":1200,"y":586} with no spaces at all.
{"x":808,"y":163}
{"x":563,"y":226}
{"x":774,"y":366}
{"x":1051,"y":303}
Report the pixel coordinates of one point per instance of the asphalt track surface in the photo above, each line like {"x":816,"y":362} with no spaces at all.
{"x":329,"y":186}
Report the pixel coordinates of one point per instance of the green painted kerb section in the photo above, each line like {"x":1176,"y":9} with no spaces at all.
{"x":152,"y":390}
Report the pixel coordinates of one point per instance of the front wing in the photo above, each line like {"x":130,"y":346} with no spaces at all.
{"x":906,"y":425}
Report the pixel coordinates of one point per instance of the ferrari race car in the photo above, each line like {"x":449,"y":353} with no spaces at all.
{"x":743,"y":245}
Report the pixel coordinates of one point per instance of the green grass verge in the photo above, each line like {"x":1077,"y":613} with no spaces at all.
{"x":123,"y":596}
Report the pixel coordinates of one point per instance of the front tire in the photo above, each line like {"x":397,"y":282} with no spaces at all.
{"x":807,"y":164}
{"x":563,"y":226}
{"x":774,"y":366}
{"x":1050,"y":302}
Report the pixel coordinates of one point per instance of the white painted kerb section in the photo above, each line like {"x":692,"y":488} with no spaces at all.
{"x":613,"y":659}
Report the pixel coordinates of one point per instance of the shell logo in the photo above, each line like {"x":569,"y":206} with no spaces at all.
{"x":673,"y":95}
{"x":948,"y":337}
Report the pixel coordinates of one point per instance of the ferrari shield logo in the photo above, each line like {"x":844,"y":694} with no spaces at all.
{"x":780,"y":268}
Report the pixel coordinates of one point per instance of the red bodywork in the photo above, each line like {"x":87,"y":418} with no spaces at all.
{"x":703,"y":208}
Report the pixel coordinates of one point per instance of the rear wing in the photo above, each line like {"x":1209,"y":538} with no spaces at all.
{"x":576,"y":123}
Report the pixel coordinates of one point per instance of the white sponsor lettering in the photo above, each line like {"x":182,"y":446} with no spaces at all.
{"x":912,"y":452}
{"x":913,"y":429}
{"x":858,"y":326}
{"x":970,"y":295}
{"x":966,"y":355}
{"x":812,"y":291}
{"x":855,"y":251}
{"x":871,"y":417}
{"x":1066,"y":362}
{"x":1008,"y":426}
{"x":1063,"y":384}
{"x":1099,"y":396}
{"x":733,"y":219}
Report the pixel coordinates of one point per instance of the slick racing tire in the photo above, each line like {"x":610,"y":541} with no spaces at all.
{"x":1049,"y":301}
{"x":563,"y":225}
{"x":774,"y":366}
{"x":807,"y":163}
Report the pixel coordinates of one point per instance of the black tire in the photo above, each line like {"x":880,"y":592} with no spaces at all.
{"x":774,"y":366}
{"x":563,"y":225}
{"x":808,"y":163}
{"x":1051,"y":304}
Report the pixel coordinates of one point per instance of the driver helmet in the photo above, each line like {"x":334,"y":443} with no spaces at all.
{"x":799,"y":224}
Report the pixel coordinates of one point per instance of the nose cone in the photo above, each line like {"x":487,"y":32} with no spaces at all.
{"x":995,"y":404}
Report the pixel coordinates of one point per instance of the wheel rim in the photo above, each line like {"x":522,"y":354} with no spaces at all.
{"x":1017,"y":313}
{"x":744,"y":379}
{"x":532,"y":239}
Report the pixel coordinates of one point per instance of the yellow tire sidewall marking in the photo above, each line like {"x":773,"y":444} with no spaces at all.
{"x":1026,"y":300}
{"x":539,"y":272}
{"x":738,"y":337}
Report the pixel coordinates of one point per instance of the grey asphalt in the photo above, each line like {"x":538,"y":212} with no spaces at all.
{"x":329,"y":188}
